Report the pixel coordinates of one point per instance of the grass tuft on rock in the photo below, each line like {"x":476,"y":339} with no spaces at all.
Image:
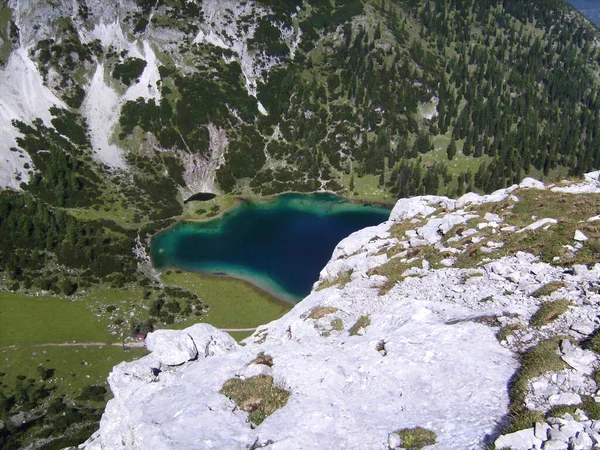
{"x":548,"y":312}
{"x":362,"y":322}
{"x":337,"y":324}
{"x":416,"y":438}
{"x":264,"y":359}
{"x":548,"y":289}
{"x":507,"y":330}
{"x":321,"y":311}
{"x":340,"y":281}
{"x":258,"y":396}
{"x":535,"y":362}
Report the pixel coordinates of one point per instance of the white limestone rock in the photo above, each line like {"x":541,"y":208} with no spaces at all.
{"x":540,"y":431}
{"x":407,"y":208}
{"x":581,"y":442}
{"x":538,"y":224}
{"x":554,"y":444}
{"x":520,"y":440}
{"x":394,"y":441}
{"x":210,"y":341}
{"x":171,"y":347}
{"x":579,"y":236}
{"x":347,"y":394}
{"x":579,"y":359}
{"x":568,"y":398}
{"x":529,"y":183}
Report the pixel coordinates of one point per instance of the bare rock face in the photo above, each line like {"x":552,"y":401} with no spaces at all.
{"x":171,"y":347}
{"x":199,"y":169}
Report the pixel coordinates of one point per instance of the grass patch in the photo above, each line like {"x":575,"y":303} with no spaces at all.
{"x":256,"y":395}
{"x":337,"y":324}
{"x":393,"y":270}
{"x":26,"y":320}
{"x":593,"y":344}
{"x":232,"y":303}
{"x":361,"y":323}
{"x":548,"y":312}
{"x":572,"y":212}
{"x":340,"y":281}
{"x":321,"y":311}
{"x":548,"y":289}
{"x":535,"y":362}
{"x":588,"y":406}
{"x":205,"y":210}
{"x":416,"y":438}
{"x":507,"y":330}
{"x":74,"y":367}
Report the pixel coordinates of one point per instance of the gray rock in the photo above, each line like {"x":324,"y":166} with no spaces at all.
{"x":595,"y":436}
{"x":394,"y":441}
{"x":527,"y":337}
{"x":209,"y":340}
{"x":553,"y":444}
{"x":520,"y":440}
{"x":580,"y":237}
{"x":568,"y":398}
{"x":581,"y":442}
{"x":557,"y":435}
{"x":171,"y":347}
{"x":572,"y":429}
{"x":577,"y":358}
{"x":541,"y":431}
{"x":584,"y":328}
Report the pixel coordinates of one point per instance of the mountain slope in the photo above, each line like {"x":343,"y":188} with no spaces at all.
{"x":462,"y":351}
{"x":114,"y":113}
{"x":321,"y":93}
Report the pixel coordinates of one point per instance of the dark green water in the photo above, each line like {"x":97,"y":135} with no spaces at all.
{"x":280,"y":244}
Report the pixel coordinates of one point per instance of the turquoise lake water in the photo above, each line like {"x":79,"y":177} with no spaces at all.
{"x":280,"y":244}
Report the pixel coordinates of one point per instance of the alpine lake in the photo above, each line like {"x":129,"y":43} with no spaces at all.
{"x":278,"y":244}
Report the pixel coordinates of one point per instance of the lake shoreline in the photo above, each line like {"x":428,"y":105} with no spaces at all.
{"x":273,"y":296}
{"x":240,"y":198}
{"x":306,"y":225}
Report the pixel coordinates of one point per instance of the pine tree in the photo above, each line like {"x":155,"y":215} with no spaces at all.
{"x":451,"y":150}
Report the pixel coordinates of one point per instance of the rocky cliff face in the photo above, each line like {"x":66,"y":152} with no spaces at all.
{"x":432,"y":319}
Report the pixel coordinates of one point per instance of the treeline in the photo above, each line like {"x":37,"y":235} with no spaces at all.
{"x":54,"y":419}
{"x":38,"y":234}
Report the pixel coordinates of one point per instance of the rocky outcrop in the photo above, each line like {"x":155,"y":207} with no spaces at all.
{"x":199,"y":169}
{"x":367,"y":358}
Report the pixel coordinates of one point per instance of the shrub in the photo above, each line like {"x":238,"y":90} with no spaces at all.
{"x":129,"y":70}
{"x":94,"y":393}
